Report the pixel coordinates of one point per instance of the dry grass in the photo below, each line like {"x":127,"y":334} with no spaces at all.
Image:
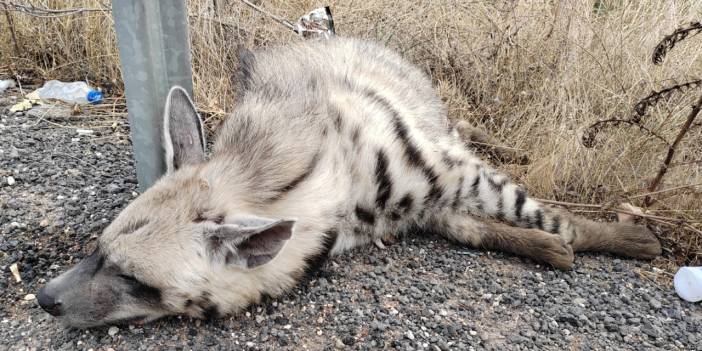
{"x":534,"y":73}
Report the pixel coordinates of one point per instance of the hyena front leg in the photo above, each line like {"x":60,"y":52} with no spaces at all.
{"x":485,"y":192}
{"x":477,"y":139}
{"x":533,"y":243}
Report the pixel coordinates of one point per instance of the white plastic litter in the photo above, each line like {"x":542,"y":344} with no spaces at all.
{"x":318,"y":24}
{"x":7,"y":83}
{"x":73,"y":92}
{"x":688,"y":283}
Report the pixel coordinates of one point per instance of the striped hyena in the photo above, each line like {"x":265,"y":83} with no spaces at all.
{"x":332,"y":144}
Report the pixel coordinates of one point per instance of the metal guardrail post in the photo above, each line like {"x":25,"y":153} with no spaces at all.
{"x":154,"y":49}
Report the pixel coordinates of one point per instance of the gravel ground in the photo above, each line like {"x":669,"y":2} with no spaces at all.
{"x":420,"y":293}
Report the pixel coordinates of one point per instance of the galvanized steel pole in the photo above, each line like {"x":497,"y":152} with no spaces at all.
{"x":154,"y":49}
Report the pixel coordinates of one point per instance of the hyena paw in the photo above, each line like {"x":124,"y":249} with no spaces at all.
{"x":385,"y":241}
{"x":379,"y":244}
{"x":555,"y":251}
{"x":637,"y":241}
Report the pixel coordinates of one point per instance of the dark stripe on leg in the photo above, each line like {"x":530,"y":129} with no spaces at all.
{"x":315,"y":262}
{"x":499,"y":211}
{"x":538,"y":220}
{"x":519,"y":203}
{"x":555,"y":225}
{"x":457,"y":195}
{"x":365,"y":216}
{"x":382,"y":179}
{"x":475,"y":186}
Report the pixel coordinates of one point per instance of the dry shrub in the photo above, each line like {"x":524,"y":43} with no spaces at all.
{"x":534,"y":73}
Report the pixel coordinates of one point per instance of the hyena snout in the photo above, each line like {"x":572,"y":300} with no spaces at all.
{"x":48,"y":302}
{"x":81,"y":296}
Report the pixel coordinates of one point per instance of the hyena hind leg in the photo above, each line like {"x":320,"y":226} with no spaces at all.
{"x":489,"y":235}
{"x":479,"y":140}
{"x":622,"y":239}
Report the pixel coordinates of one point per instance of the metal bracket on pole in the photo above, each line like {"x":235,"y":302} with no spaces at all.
{"x":154,"y":49}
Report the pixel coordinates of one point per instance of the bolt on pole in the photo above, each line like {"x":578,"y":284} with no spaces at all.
{"x":154,"y":49}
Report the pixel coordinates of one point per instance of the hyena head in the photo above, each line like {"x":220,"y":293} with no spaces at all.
{"x":171,"y":250}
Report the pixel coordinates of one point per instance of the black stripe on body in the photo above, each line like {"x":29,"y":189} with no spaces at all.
{"x":457,"y":196}
{"x":403,"y":207}
{"x":494,"y":184}
{"x":475,"y":186}
{"x":210,"y":313}
{"x":450,"y":161}
{"x":519,"y":203}
{"x":355,"y":135}
{"x":499,"y":211}
{"x":412,"y":153}
{"x":282,"y":191}
{"x":405,"y":203}
{"x":365,"y":216}
{"x":382,"y":179}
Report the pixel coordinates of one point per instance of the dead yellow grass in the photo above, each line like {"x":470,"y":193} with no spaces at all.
{"x":534,"y":73}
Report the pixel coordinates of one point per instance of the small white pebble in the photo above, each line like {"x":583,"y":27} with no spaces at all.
{"x":29,"y":297}
{"x":473,"y":332}
{"x":443,"y":313}
{"x":11,"y":180}
{"x":319,"y":332}
{"x":112,"y":331}
{"x":409,"y":335}
{"x":287,"y":326}
{"x":249,"y":344}
{"x":15,"y":273}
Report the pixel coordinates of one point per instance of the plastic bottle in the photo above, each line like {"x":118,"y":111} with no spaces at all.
{"x":688,"y":283}
{"x":74,"y":92}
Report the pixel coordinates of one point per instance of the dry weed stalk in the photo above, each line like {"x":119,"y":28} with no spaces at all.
{"x":44,"y":12}
{"x":669,"y":42}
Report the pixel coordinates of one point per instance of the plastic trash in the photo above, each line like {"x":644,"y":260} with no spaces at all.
{"x":73,"y":92}
{"x":688,"y":283}
{"x":7,"y":83}
{"x":317,"y":24}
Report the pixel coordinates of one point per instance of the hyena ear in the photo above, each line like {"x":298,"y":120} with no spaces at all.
{"x":183,"y":135}
{"x":247,"y":242}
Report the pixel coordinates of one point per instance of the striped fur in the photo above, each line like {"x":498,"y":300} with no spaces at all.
{"x":350,"y":141}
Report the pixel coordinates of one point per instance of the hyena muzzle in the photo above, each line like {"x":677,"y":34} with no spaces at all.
{"x":332,"y":144}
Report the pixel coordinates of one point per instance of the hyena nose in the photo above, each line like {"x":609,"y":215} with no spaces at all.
{"x":49,"y":303}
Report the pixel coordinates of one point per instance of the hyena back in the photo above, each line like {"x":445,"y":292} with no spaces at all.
{"x":332,"y":144}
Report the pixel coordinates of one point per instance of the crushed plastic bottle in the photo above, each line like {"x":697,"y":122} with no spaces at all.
{"x":688,"y":283}
{"x":317,"y":24}
{"x":73,"y":92}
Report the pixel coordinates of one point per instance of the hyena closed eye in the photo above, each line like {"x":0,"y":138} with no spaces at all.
{"x":333,"y":144}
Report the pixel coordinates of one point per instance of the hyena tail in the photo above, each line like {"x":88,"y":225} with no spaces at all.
{"x":492,"y":194}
